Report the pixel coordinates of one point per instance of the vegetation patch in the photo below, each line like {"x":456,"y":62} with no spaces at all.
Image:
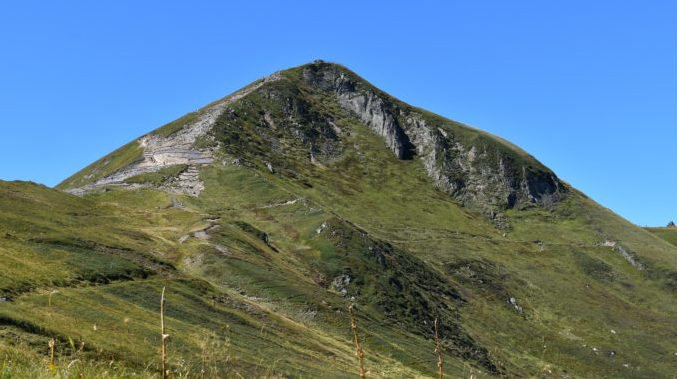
{"x":669,"y":234}
{"x":159,"y":177}
{"x":123,"y":157}
{"x":594,"y":267}
{"x":177,"y":125}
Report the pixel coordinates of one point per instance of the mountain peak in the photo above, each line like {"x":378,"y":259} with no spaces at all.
{"x":312,"y":108}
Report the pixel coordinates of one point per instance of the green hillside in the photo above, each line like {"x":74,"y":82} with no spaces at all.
{"x":669,"y":234}
{"x":303,"y":193}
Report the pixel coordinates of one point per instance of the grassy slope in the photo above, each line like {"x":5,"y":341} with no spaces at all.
{"x":668,"y":234}
{"x":123,"y":157}
{"x":105,"y":166}
{"x":561,"y":288}
{"x":108,"y":296}
{"x":97,"y":287}
{"x":275,"y":308}
{"x":158,"y":177}
{"x":132,"y":152}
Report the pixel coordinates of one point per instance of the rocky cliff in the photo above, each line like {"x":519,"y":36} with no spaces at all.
{"x":476,"y":168}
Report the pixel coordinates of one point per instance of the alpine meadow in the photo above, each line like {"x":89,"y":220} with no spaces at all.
{"x":310,"y":225}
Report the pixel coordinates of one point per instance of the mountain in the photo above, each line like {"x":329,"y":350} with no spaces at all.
{"x":267,"y":213}
{"x":668,"y":233}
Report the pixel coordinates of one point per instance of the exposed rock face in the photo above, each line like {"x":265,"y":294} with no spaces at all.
{"x":481,"y":172}
{"x":341,"y":283}
{"x":368,"y":106}
{"x":630,"y":258}
{"x":187,"y":182}
{"x":178,"y":148}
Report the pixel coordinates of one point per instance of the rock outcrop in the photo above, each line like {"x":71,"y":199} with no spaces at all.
{"x":478,"y":169}
{"x":177,"y":148}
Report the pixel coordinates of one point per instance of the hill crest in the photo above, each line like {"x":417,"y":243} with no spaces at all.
{"x":476,"y":168}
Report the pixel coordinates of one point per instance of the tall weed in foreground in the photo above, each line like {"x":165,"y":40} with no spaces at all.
{"x":359,"y":350}
{"x":437,"y":347}
{"x":163,"y":339}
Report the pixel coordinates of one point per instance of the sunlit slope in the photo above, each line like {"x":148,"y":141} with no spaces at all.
{"x":92,"y":271}
{"x":669,"y":234}
{"x":268,"y":212}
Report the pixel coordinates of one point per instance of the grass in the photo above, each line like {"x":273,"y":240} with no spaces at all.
{"x":105,"y":166}
{"x":258,"y":285}
{"x":158,"y":177}
{"x":174,"y":126}
{"x":118,"y":304}
{"x":21,"y":362}
{"x":124,"y":156}
{"x":669,"y":234}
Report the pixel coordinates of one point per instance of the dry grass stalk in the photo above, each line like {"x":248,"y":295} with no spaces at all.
{"x":203,"y":347}
{"x":49,"y":298}
{"x":163,"y":347}
{"x":437,"y":349}
{"x":52,"y":343}
{"x":359,"y":351}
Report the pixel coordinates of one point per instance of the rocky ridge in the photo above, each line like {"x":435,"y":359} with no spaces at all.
{"x":178,"y":148}
{"x":479,"y":170}
{"x":478,"y":174}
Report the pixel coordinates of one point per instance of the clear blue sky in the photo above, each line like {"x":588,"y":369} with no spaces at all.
{"x":587,"y":87}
